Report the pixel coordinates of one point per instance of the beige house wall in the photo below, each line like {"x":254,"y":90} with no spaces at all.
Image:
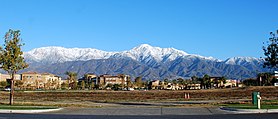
{"x":33,"y":80}
{"x":4,"y":77}
{"x":108,"y":79}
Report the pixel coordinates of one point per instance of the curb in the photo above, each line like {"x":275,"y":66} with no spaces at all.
{"x":30,"y":111}
{"x":249,"y":110}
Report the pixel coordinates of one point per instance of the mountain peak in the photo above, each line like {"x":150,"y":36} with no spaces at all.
{"x":146,"y":60}
{"x":146,"y":52}
{"x":145,"y":46}
{"x":242,"y":60}
{"x":143,"y":53}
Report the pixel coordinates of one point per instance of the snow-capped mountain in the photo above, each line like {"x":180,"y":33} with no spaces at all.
{"x":143,"y":53}
{"x":146,"y":51}
{"x":144,"y":60}
{"x":59,"y":54}
{"x":243,"y":61}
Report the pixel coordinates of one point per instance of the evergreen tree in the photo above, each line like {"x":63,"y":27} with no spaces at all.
{"x":271,"y":52}
{"x":11,"y":57}
{"x":264,"y":79}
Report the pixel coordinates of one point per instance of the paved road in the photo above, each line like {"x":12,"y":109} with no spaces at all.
{"x":141,"y":111}
{"x":61,"y":116}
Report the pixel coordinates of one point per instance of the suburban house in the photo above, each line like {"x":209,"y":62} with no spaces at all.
{"x":6,"y":77}
{"x":31,"y":80}
{"x":120,"y":79}
{"x":91,"y":78}
{"x":34,"y":80}
{"x":156,"y":84}
{"x":193,"y":86}
{"x":216,"y":82}
{"x":52,"y":81}
{"x":230,"y":83}
{"x":171,"y":86}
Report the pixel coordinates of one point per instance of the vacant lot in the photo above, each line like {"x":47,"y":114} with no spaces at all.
{"x":92,"y":98}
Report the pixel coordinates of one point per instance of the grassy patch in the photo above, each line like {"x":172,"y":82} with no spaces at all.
{"x":18,"y":107}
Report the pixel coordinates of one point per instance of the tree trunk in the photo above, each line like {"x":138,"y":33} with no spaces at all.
{"x":12,"y":90}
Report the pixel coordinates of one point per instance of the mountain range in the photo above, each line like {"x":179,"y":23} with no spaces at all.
{"x":144,"y":60}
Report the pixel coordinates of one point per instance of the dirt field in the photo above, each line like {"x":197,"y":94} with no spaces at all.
{"x":90,"y":98}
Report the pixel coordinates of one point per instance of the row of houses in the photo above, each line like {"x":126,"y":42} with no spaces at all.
{"x":157,"y":84}
{"x":34,"y":80}
{"x":104,"y":80}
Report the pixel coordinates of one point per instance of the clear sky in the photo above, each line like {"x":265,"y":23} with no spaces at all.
{"x":217,"y":28}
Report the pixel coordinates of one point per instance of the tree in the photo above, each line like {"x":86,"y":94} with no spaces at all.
{"x":202,"y":82}
{"x":11,"y":57}
{"x":174,"y":81}
{"x":180,"y":81}
{"x":3,"y":84}
{"x":207,"y":81}
{"x":92,"y":85}
{"x":19,"y":84}
{"x":129,"y":84}
{"x":72,"y":77}
{"x":109,"y":86}
{"x":166,"y":81}
{"x":64,"y":85}
{"x":250,"y":82}
{"x":264,"y":79}
{"x":222,"y":80}
{"x":138,"y":82}
{"x":83,"y":85}
{"x":271,"y":52}
{"x":116,"y":87}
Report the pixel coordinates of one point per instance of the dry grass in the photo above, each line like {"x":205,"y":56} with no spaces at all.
{"x":94,"y":98}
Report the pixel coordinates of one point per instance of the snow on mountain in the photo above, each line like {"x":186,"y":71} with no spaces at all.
{"x":243,"y":61}
{"x":143,"y":53}
{"x":146,"y":52}
{"x":60,"y":54}
{"x":147,"y":61}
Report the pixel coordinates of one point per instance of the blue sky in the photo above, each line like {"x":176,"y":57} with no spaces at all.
{"x":217,"y":28}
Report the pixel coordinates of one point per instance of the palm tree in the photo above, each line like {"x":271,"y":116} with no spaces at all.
{"x":72,"y":77}
{"x":223,"y":80}
{"x":202,"y":82}
{"x":207,"y":81}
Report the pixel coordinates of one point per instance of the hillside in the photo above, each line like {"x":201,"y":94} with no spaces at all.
{"x":145,"y":60}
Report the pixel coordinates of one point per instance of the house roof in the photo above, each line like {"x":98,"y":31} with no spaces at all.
{"x":47,"y":74}
{"x":31,"y":72}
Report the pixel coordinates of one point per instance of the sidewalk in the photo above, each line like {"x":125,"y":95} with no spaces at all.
{"x":29,"y":111}
{"x":249,"y":110}
{"x":143,"y":111}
